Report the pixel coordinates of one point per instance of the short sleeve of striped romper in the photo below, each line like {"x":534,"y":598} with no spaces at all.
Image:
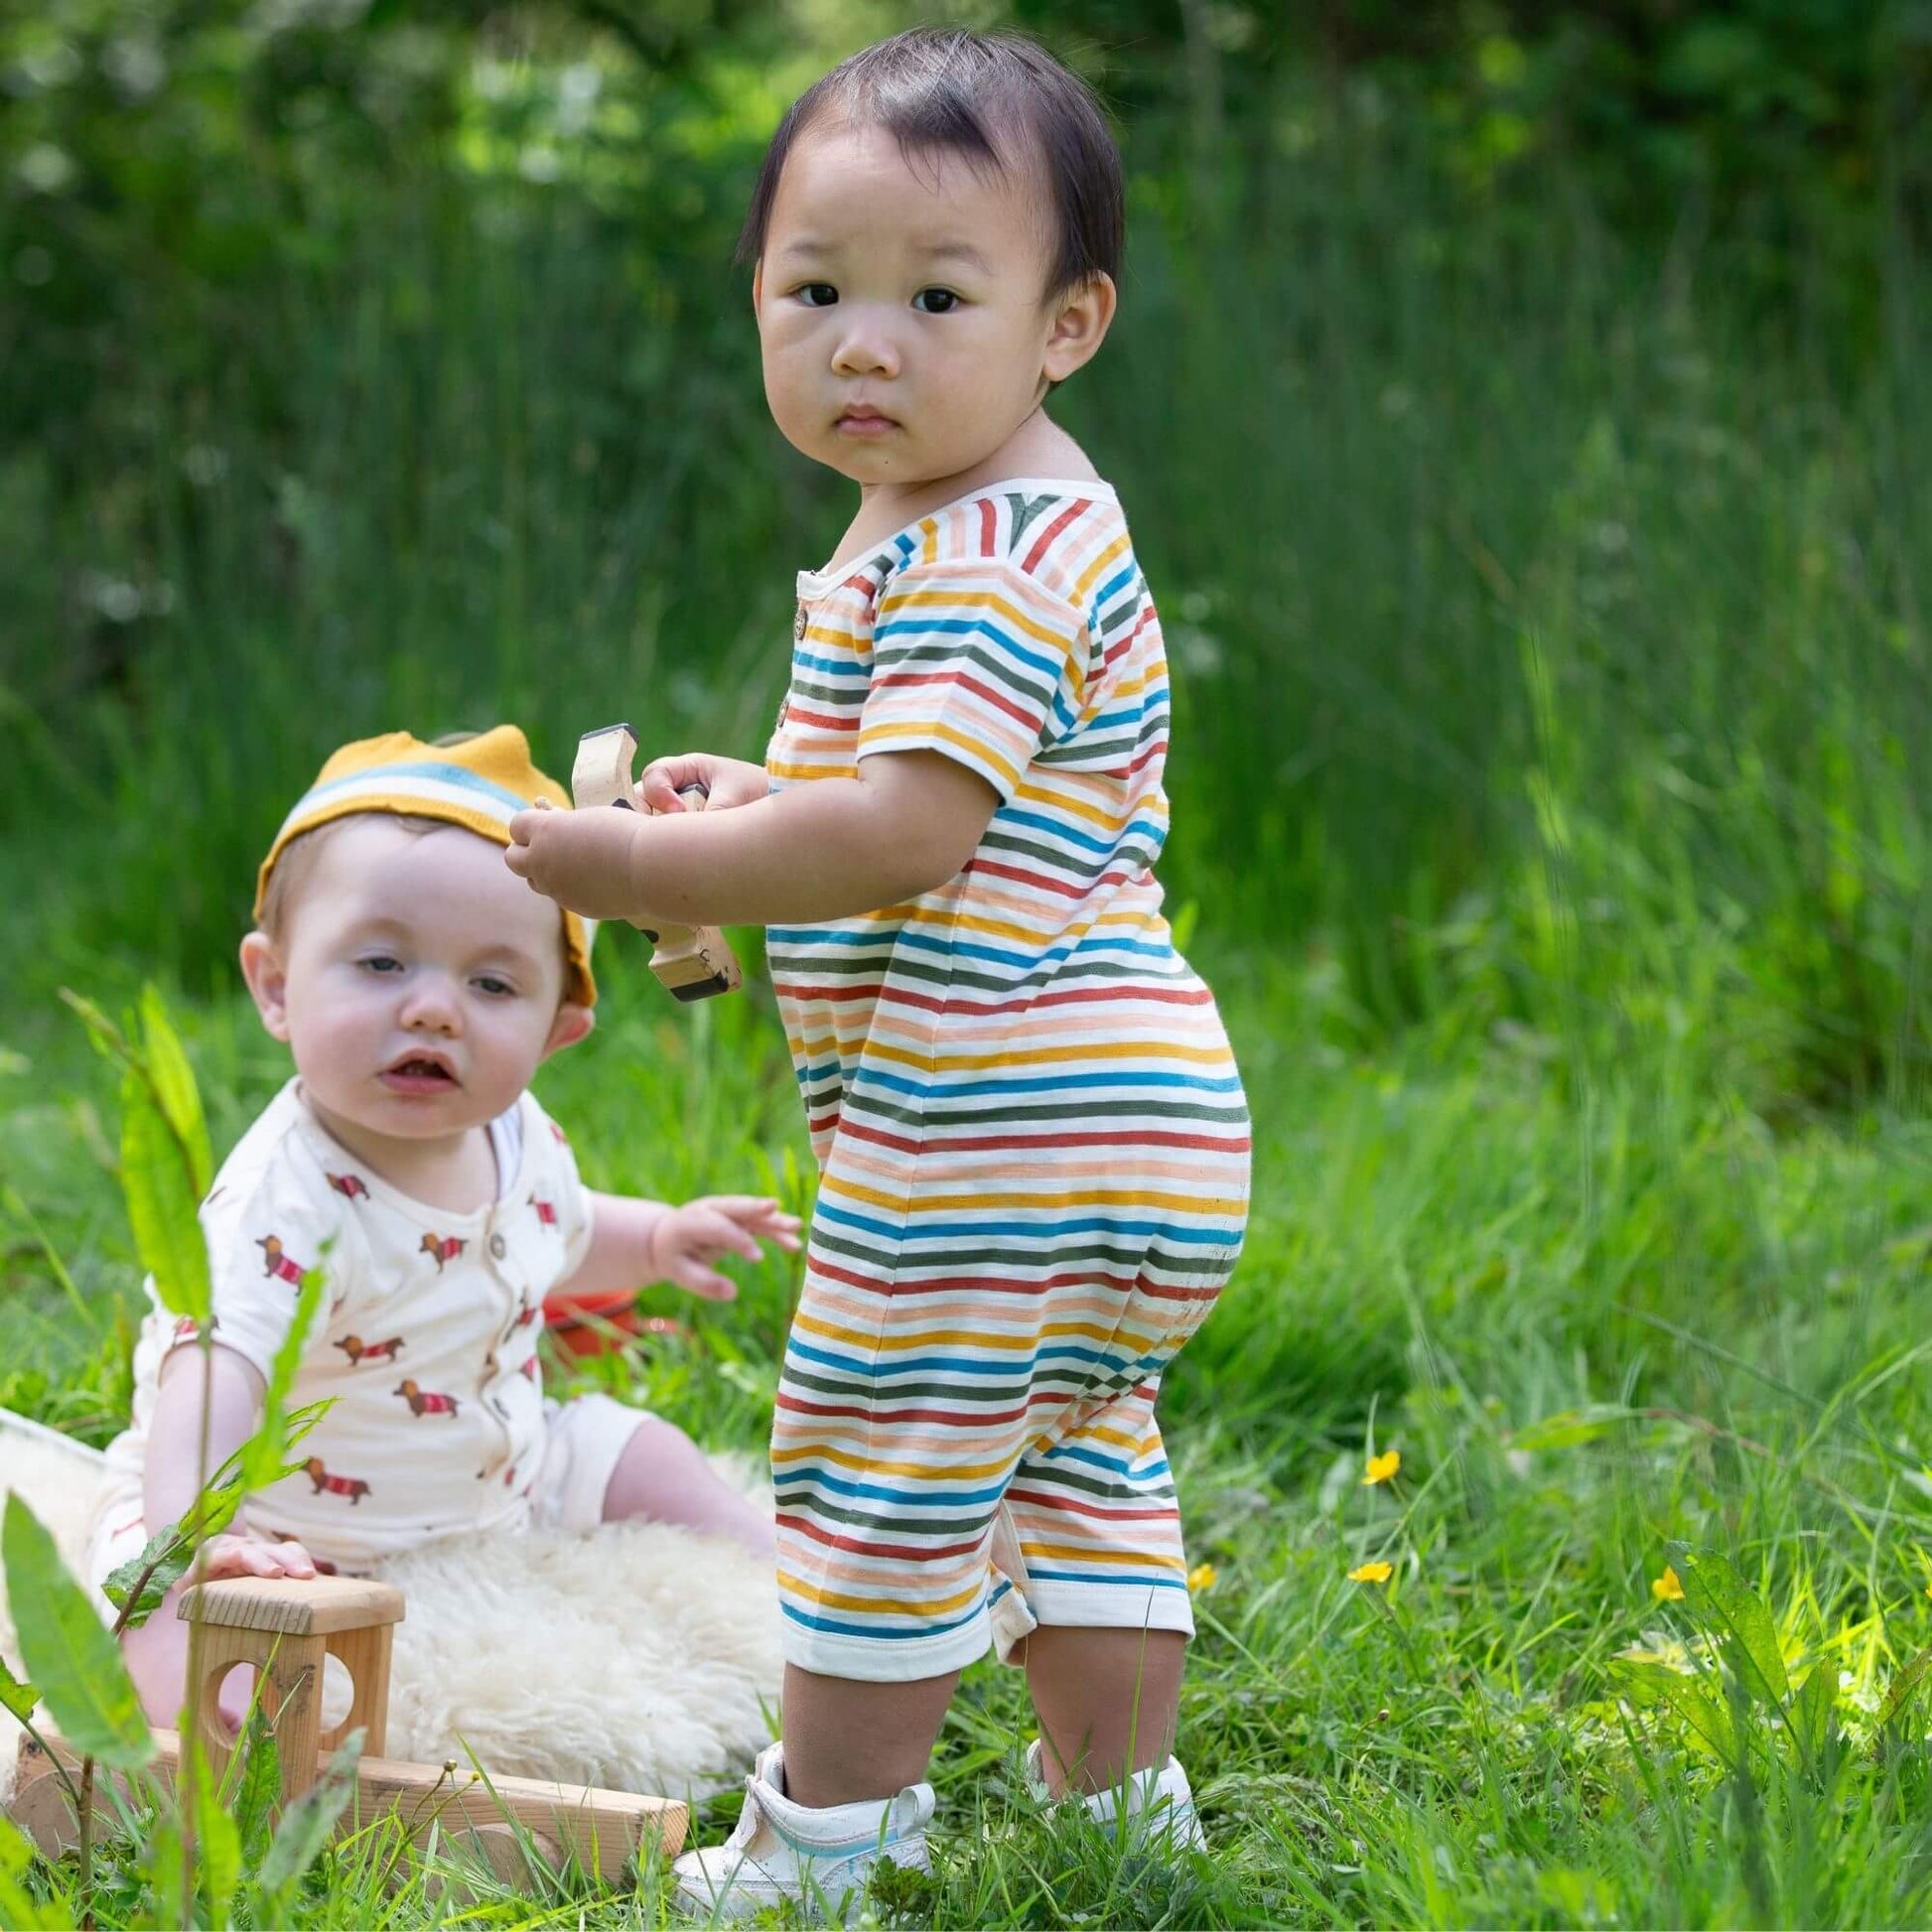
{"x":1032,"y":1136}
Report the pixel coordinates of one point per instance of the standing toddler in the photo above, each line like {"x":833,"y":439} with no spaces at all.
{"x":1032,"y":1142}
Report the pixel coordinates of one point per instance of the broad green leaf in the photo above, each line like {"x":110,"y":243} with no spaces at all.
{"x":1724,"y":1604}
{"x":261,"y":1455}
{"x":306,"y":1823}
{"x":175,"y":1090}
{"x":1904,"y":1684}
{"x":256,"y":1774}
{"x":161,"y":1203}
{"x":219,"y":1842}
{"x":1706,"y":1720}
{"x":17,"y":1909}
{"x":17,"y":1697}
{"x":70,"y":1654}
{"x":1811,"y":1710}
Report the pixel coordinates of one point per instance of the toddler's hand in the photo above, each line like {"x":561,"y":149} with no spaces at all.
{"x":690,"y":1238}
{"x":230,"y":1555}
{"x":582,"y":859}
{"x":727,"y":782}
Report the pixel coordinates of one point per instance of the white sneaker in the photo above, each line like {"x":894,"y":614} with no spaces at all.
{"x":1161,"y":1811}
{"x":815,"y":1858}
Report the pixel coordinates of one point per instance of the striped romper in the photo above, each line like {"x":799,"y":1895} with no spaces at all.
{"x":1031,"y":1138}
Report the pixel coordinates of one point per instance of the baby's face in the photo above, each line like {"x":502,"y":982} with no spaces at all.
{"x":420,"y":981}
{"x":899,"y":307}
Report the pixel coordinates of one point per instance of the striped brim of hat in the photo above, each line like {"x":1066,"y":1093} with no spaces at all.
{"x":479,"y":784}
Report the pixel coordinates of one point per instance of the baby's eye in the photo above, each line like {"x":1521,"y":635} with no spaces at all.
{"x":496,"y":987}
{"x":818,"y":295}
{"x":381,"y":962}
{"x":935,"y":302}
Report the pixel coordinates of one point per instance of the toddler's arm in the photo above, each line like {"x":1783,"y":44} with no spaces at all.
{"x":634,"y":1242}
{"x":822,"y":851}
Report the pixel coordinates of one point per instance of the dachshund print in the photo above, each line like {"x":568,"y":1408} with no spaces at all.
{"x":358,"y":1352}
{"x":276,"y":1261}
{"x":350,"y":1186}
{"x":441,"y":1248}
{"x":353,"y":1487}
{"x":423,"y":1402}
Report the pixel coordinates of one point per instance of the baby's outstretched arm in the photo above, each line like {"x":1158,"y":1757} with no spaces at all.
{"x":634,"y":1242}
{"x":906,"y":823}
{"x":157,"y":1651}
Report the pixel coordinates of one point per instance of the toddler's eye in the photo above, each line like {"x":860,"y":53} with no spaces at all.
{"x":491,"y":984}
{"x":818,"y":295}
{"x":935,"y":302}
{"x":381,"y":962}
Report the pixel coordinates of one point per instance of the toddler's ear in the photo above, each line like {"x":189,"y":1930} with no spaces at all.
{"x":268,"y":982}
{"x":572,"y":1024}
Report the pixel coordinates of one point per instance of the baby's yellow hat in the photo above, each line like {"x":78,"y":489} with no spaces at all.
{"x":479,"y":784}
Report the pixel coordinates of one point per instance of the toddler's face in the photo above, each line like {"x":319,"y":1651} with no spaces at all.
{"x":417,"y":982}
{"x":899,"y":307}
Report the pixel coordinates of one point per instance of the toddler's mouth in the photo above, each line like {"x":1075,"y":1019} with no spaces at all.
{"x":419,"y":1074}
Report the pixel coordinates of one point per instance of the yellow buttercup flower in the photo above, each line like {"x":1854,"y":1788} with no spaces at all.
{"x":1382,"y":1467}
{"x":1666,"y":1589}
{"x":1371,"y":1573}
{"x":1204,"y":1575}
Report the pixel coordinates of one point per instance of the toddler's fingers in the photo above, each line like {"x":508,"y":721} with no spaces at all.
{"x":295,"y":1561}
{"x":665,"y":778}
{"x":520,"y":827}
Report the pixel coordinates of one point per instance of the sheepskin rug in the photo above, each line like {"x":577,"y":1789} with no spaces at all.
{"x":639,"y":1657}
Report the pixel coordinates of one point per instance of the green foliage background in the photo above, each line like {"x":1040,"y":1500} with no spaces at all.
{"x":1514,"y":405}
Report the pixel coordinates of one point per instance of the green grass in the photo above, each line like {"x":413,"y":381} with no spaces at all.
{"x":1592,"y":1311}
{"x":1547,"y":611}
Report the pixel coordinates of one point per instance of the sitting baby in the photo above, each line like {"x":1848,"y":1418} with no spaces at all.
{"x":418,"y":985}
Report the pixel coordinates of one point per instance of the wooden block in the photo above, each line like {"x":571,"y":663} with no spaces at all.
{"x":690,"y":962}
{"x":601,"y":1829}
{"x":300,"y":1607}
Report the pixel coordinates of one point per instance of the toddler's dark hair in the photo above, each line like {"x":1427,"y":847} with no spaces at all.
{"x":988,"y":97}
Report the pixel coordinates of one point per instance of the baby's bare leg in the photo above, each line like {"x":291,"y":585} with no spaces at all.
{"x":662,"y":1475}
{"x":849,"y":1742}
{"x":1107,"y":1700}
{"x":157,"y":1660}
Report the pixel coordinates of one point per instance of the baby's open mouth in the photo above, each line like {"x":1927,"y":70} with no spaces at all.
{"x":419,"y":1073}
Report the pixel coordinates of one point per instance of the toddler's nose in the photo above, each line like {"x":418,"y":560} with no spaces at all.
{"x":865,"y":350}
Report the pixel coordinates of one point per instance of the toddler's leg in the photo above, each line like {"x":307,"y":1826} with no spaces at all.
{"x":1108,"y":1701}
{"x":848,"y":1743}
{"x":664,"y":1475}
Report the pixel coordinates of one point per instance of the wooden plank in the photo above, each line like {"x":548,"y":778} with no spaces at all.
{"x":602,"y":1829}
{"x":296,"y":1607}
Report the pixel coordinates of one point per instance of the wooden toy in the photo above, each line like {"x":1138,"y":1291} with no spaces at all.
{"x":284,"y":1629}
{"x":691,"y":962}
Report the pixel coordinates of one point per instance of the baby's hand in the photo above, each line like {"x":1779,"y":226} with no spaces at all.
{"x":230,"y":1555}
{"x":582,"y":859}
{"x":727,"y":782}
{"x":690,"y":1238}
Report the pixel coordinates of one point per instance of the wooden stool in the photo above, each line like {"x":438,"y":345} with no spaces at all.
{"x":284,"y":1628}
